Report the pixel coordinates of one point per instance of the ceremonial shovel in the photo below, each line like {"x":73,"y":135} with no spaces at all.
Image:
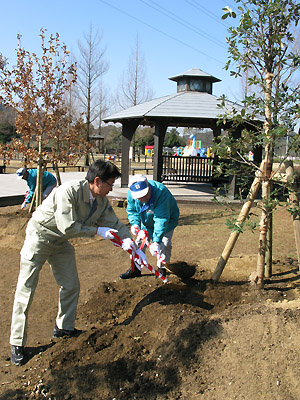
{"x":181,"y":269}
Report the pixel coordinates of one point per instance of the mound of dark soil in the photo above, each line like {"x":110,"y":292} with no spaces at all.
{"x":143,"y":339}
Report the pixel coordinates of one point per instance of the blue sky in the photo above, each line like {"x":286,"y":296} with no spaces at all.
{"x":174,"y":35}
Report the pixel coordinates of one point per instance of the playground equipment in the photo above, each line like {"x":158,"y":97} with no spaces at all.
{"x":193,"y":148}
{"x":149,"y":151}
{"x":110,"y":157}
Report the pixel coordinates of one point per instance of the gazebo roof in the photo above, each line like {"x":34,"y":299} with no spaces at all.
{"x":182,"y":105}
{"x":187,"y":107}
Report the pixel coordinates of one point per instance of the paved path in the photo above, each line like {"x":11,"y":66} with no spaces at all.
{"x":12,"y":190}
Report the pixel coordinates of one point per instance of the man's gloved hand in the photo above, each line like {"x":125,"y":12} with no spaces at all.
{"x":106,"y":233}
{"x":142,"y":257}
{"x":154,"y":248}
{"x":141,"y":235}
{"x":24,"y":205}
{"x":128,"y":244}
{"x":135,"y":229}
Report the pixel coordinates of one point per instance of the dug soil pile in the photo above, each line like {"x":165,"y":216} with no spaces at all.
{"x":143,"y":339}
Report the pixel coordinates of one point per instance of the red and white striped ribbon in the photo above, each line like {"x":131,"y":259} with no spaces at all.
{"x":117,"y":241}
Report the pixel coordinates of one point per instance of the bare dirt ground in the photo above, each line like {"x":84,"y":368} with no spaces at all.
{"x":147,"y":340}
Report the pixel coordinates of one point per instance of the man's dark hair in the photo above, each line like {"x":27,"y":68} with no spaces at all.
{"x":104,"y":170}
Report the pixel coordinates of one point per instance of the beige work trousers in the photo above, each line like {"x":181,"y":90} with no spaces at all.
{"x":37,"y":249}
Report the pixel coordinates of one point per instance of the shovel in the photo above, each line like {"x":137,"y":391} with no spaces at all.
{"x":181,"y":269}
{"x":117,"y":241}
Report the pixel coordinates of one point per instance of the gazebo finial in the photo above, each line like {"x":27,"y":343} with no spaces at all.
{"x":194,"y":80}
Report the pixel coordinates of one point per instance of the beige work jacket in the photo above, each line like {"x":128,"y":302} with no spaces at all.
{"x":64,"y":214}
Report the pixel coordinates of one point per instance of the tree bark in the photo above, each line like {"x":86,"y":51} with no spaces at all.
{"x":262,"y":238}
{"x":267,"y":170}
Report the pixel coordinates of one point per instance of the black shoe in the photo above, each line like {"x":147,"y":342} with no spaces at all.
{"x":162,"y":271}
{"x":17,"y":355}
{"x":131,"y":274}
{"x":59,"y":333}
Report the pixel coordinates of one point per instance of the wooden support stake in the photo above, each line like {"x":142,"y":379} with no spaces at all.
{"x":234,"y":235}
{"x":32,"y":201}
{"x":38,"y":193}
{"x":269,"y":249}
{"x":57,"y":173}
{"x":294,"y":200}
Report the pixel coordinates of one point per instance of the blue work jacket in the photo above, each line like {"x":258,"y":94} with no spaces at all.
{"x":48,"y":180}
{"x":158,"y":216}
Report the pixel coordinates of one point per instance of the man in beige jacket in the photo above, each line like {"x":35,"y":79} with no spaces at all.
{"x":74,"y":209}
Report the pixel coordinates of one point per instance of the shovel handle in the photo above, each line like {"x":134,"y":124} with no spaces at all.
{"x":117,"y":241}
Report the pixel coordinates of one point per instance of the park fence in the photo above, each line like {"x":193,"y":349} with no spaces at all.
{"x":187,"y":169}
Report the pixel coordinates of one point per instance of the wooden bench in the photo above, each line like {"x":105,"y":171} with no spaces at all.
{"x":147,"y":169}
{"x":186,"y":178}
{"x":79,"y":168}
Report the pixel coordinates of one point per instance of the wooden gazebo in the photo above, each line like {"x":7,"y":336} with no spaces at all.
{"x":193,"y":105}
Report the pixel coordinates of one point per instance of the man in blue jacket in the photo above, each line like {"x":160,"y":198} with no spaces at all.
{"x":151,"y":207}
{"x":30,"y":176}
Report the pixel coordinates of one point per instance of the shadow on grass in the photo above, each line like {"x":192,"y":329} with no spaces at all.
{"x":195,"y":219}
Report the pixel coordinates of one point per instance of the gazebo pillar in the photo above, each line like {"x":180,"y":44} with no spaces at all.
{"x":128,"y":130}
{"x":159,"y":136}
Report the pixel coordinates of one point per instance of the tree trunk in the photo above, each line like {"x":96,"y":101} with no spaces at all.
{"x":269,"y":248}
{"x":262,"y":237}
{"x":267,"y":170}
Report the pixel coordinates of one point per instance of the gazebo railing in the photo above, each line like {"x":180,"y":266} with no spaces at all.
{"x":187,"y":169}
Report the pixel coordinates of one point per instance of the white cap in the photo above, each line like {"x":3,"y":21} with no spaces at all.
{"x":139,"y":186}
{"x":20,"y":172}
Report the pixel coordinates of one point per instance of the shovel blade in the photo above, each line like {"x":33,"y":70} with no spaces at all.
{"x":181,"y":269}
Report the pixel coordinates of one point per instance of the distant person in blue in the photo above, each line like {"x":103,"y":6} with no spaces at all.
{"x":151,"y":207}
{"x":30,"y":175}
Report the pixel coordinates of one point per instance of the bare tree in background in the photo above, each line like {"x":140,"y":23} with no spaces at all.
{"x":71,"y":100}
{"x":91,"y":66}
{"x":134,"y":87}
{"x":104,"y":103}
